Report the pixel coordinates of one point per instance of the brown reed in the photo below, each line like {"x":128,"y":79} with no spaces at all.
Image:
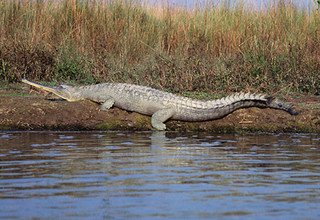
{"x":210,"y":49}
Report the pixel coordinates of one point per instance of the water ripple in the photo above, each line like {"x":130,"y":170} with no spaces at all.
{"x":156,"y":175}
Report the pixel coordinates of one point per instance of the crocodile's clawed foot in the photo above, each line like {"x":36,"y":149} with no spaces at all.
{"x":159,"y":126}
{"x":107,"y":105}
{"x":161,"y":116}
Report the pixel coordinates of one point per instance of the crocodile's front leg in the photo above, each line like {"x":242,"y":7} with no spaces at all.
{"x":107,"y":104}
{"x":161,"y":116}
{"x":106,"y":101}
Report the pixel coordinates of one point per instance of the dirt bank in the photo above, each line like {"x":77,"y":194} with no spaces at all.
{"x":20,"y":110}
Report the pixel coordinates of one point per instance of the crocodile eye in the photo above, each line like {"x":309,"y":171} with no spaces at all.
{"x":63,"y":86}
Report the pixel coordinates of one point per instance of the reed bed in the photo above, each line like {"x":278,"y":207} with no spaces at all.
{"x":207,"y":49}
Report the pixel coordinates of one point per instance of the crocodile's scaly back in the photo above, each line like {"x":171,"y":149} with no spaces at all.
{"x":163,"y":105}
{"x":147,"y":100}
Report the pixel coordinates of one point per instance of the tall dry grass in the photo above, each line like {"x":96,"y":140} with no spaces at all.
{"x":204,"y":49}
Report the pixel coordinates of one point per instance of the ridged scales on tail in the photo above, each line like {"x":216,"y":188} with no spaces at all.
{"x":162,"y":105}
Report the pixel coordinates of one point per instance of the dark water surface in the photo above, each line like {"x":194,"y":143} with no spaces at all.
{"x":100,"y":175}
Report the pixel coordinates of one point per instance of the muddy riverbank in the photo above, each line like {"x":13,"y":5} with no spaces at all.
{"x":22,"y":110}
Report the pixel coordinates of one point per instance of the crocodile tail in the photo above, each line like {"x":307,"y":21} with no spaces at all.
{"x":278,"y":104}
{"x":238,"y":97}
{"x":257,"y":100}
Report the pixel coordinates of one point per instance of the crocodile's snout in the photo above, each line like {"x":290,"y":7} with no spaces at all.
{"x":62,"y":91}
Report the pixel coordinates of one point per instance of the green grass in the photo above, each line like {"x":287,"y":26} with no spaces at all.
{"x":210,"y":50}
{"x":15,"y":94}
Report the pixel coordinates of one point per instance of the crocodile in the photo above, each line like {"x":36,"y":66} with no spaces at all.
{"x":161,"y":105}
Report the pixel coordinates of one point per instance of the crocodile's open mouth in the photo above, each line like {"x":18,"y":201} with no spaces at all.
{"x":46,"y":88}
{"x":55,"y":90}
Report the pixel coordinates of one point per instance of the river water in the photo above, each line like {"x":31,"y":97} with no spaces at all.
{"x":158,"y":175}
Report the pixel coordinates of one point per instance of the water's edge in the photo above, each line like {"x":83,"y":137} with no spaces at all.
{"x":37,"y":113}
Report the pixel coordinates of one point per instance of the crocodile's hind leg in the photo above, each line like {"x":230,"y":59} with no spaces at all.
{"x":161,"y":116}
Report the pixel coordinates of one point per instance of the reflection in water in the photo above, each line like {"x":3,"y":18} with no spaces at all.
{"x":158,"y":175}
